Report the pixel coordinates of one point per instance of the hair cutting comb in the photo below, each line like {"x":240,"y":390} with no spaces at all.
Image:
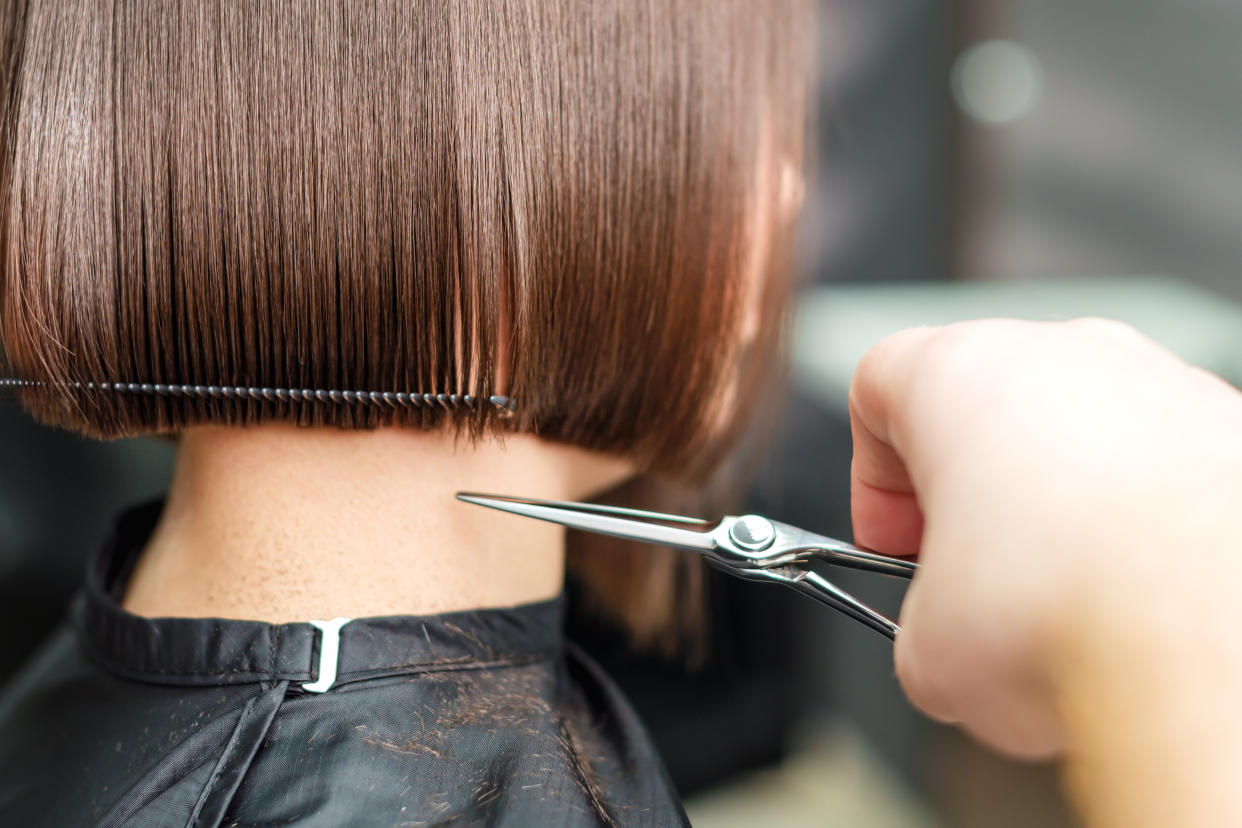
{"x":395,"y":399}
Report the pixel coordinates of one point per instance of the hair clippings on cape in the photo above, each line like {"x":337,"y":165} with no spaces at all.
{"x":395,"y":399}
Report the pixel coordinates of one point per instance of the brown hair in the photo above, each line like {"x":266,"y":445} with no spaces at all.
{"x":549,"y":199}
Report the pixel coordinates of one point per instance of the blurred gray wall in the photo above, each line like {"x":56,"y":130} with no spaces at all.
{"x":1131,"y":159}
{"x":882,"y":181}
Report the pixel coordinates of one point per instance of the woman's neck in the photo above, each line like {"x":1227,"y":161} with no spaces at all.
{"x":278,"y":523}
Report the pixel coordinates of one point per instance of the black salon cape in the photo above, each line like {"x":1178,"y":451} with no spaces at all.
{"x":468,"y":718}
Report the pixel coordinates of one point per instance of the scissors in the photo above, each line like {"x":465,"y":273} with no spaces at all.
{"x":751,"y":547}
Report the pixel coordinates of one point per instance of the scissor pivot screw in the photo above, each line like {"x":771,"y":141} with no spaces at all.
{"x":752,"y":532}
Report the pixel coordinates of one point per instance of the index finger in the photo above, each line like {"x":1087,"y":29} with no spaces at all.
{"x":883,"y":501}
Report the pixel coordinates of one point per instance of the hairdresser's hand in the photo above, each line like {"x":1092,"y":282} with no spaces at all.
{"x":1074,"y":492}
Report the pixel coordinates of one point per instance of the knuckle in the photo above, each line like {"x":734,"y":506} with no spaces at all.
{"x":969,"y":353}
{"x":1103,"y":327}
{"x":975,"y":340}
{"x":893,"y":356}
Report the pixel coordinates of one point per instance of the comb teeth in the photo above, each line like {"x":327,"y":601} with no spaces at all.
{"x":393,"y":399}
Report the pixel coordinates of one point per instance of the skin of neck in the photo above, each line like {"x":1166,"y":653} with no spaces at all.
{"x":280,"y":523}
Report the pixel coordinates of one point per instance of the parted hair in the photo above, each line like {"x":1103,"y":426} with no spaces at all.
{"x":547,"y":199}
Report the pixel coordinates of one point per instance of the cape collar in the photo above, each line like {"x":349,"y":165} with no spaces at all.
{"x":214,"y":651}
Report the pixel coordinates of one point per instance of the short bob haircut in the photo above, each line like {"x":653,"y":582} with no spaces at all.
{"x":549,"y":199}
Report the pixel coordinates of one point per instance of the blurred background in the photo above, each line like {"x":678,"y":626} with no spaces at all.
{"x":1034,"y":158}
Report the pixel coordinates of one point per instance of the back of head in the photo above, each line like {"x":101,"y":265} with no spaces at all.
{"x":549,"y":200}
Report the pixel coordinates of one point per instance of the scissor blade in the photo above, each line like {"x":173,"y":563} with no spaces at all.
{"x":604,"y":520}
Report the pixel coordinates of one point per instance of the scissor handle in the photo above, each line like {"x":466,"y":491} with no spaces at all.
{"x":855,"y":557}
{"x":812,"y":584}
{"x":826,"y":592}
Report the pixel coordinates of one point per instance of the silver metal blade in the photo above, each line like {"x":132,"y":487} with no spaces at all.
{"x":604,"y":520}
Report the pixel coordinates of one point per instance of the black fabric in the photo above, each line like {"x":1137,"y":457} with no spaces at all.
{"x":469,"y":718}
